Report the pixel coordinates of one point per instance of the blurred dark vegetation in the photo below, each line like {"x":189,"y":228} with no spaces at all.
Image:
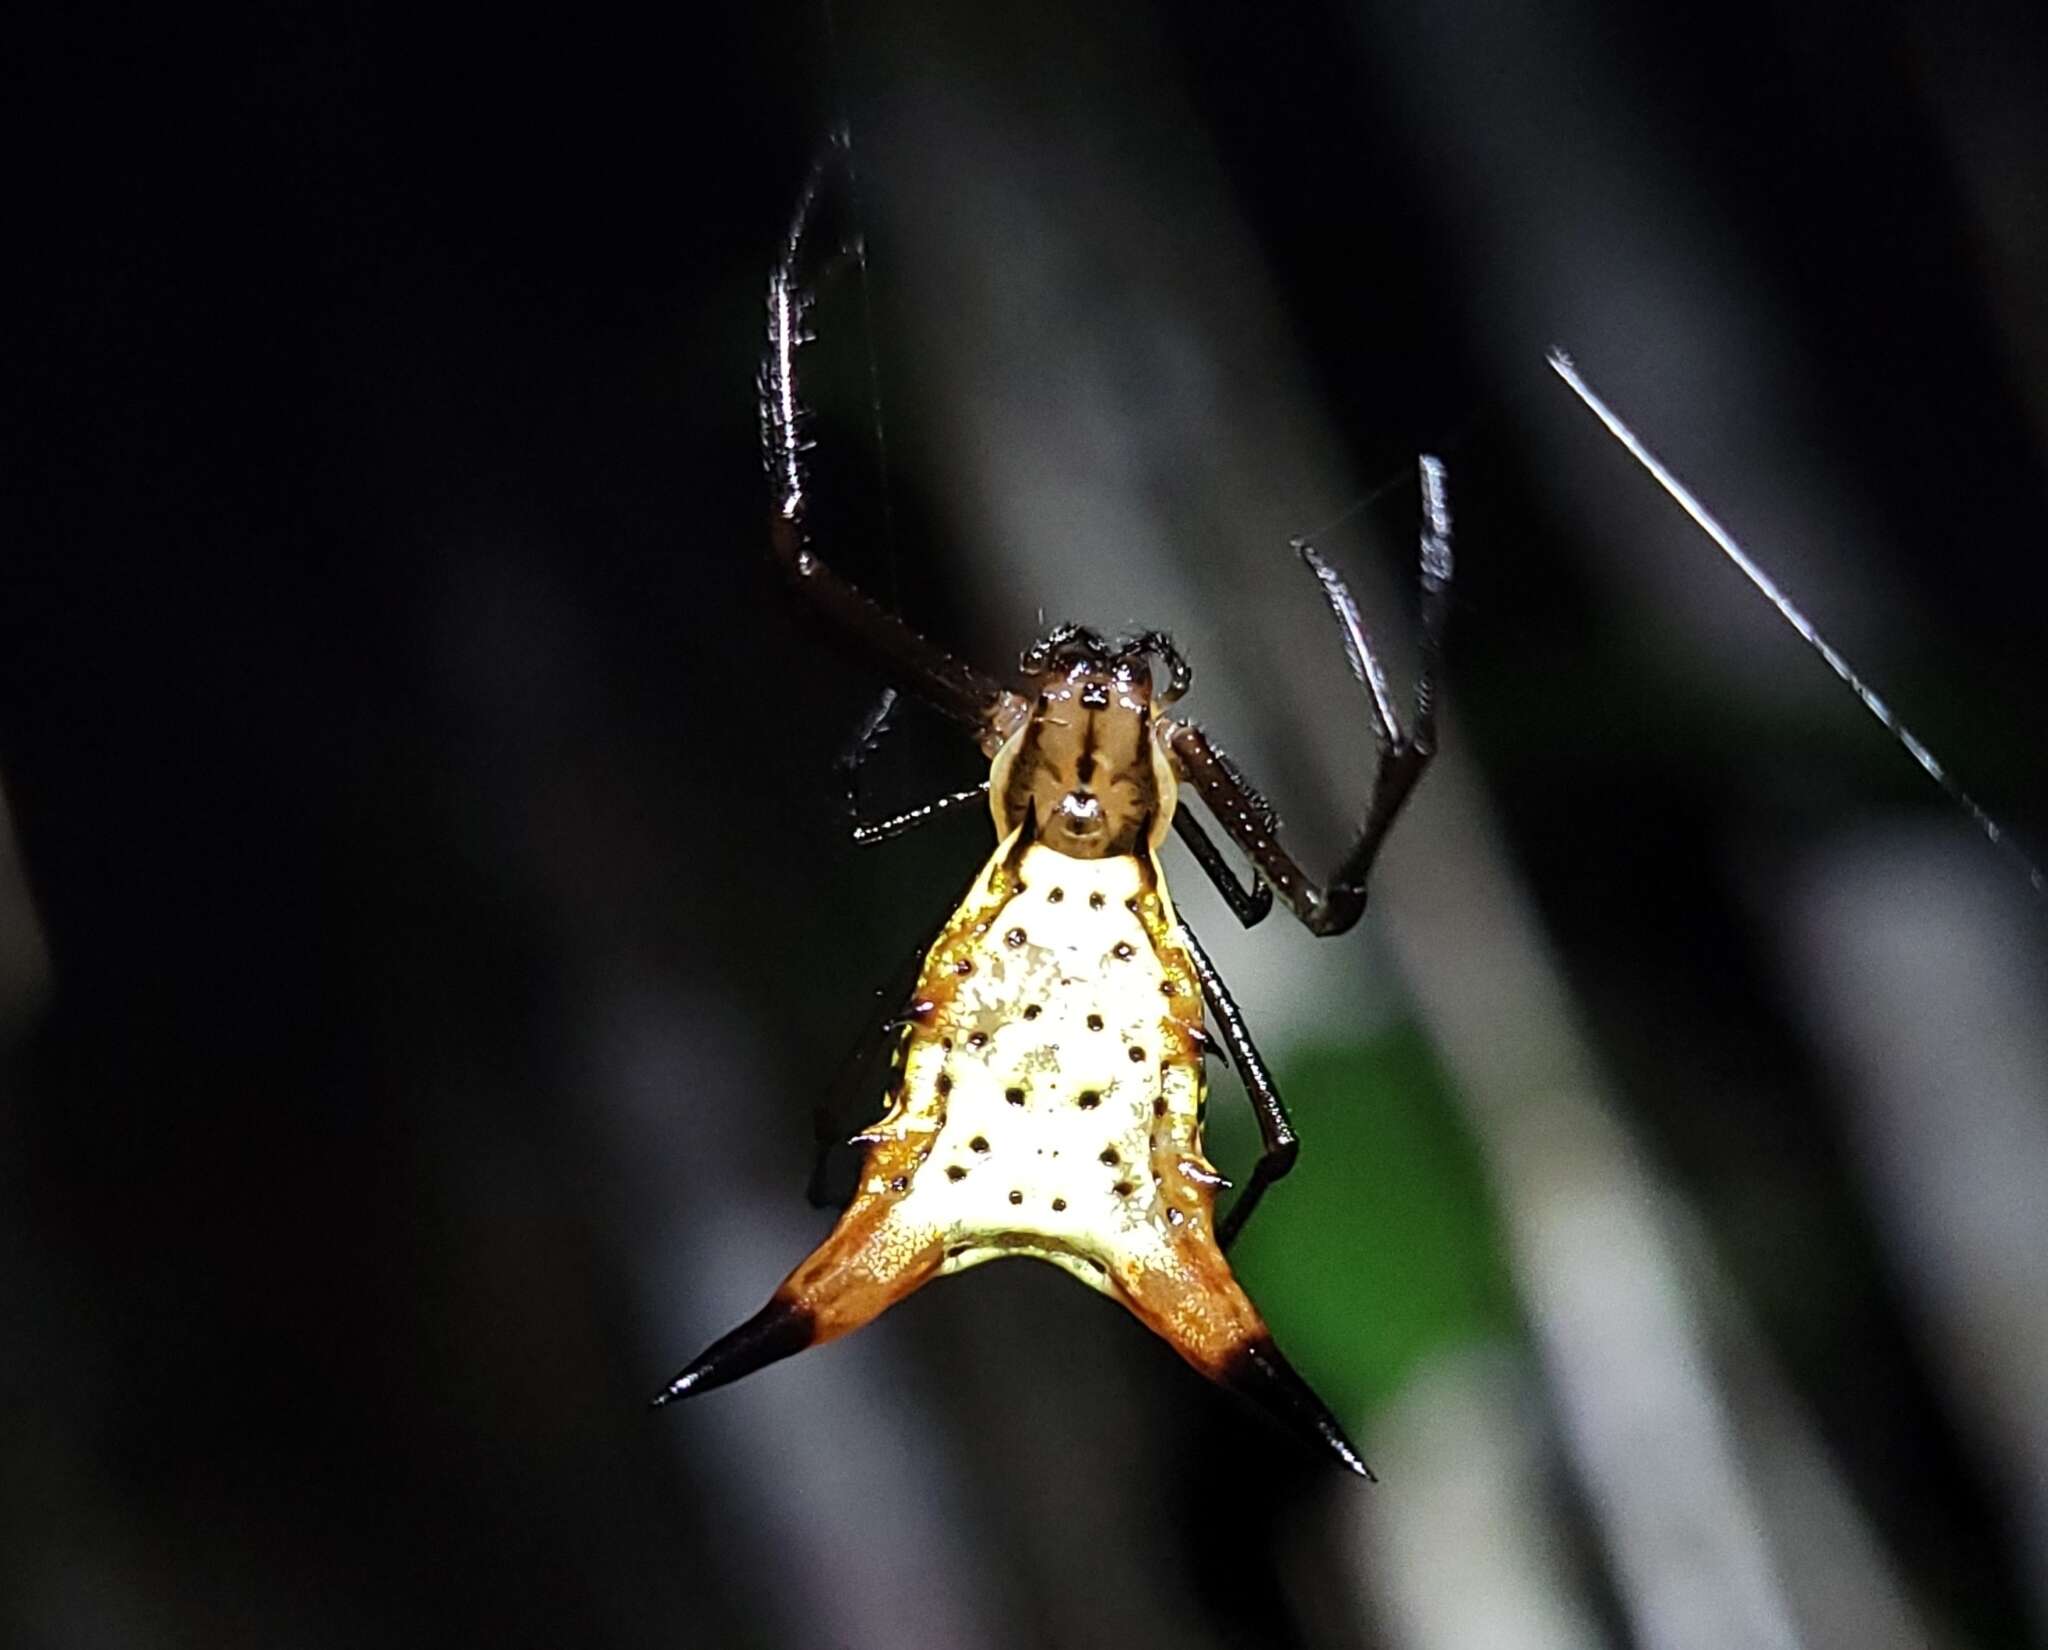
{"x":389,"y":672}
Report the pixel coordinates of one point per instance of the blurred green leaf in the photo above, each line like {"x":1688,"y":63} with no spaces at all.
{"x":1383,"y":1245}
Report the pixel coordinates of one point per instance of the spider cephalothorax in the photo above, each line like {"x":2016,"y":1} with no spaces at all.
{"x":1046,"y":1096}
{"x":1089,"y":758}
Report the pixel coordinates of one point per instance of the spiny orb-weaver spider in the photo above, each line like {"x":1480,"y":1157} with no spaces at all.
{"x":1046,"y":1090}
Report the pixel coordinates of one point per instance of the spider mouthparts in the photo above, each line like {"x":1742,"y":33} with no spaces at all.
{"x":1259,"y":1373}
{"x":779,"y":1330}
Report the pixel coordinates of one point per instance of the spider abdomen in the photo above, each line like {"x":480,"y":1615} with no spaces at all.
{"x":1050,"y":1106}
{"x":1059,"y":1081}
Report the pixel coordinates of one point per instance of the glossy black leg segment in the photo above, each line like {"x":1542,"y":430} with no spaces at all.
{"x":1248,"y":904}
{"x":1402,"y":755}
{"x":957,"y":689}
{"x":1280,"y":1144}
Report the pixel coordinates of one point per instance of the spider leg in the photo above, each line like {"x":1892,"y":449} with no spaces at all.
{"x":850,"y":1098}
{"x":1280,"y":1144}
{"x":957,"y":689}
{"x":1402,"y":756}
{"x":866,"y":832}
{"x":1248,"y":904}
{"x":838,"y":1145}
{"x":866,"y":740}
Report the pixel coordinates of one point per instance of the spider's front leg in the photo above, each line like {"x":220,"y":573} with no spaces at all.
{"x":1402,"y":755}
{"x":959,"y":690}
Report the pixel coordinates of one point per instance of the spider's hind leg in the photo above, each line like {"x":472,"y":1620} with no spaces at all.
{"x":1280,"y":1145}
{"x":857,"y":1099}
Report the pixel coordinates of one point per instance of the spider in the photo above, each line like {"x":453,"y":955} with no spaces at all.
{"x":1046,"y":1087}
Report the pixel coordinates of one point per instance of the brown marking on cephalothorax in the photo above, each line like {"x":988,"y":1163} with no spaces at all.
{"x":1087,"y":759}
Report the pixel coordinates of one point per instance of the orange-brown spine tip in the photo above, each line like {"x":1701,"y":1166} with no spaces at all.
{"x":1258,"y":1372}
{"x":778,"y":1330}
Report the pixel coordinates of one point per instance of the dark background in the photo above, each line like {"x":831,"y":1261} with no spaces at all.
{"x":407,"y":746}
